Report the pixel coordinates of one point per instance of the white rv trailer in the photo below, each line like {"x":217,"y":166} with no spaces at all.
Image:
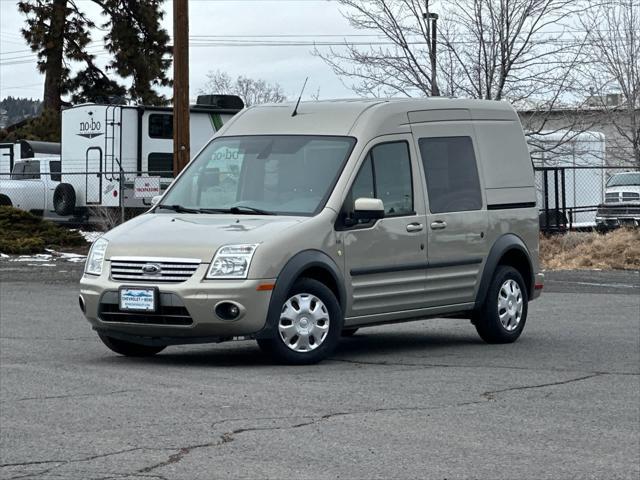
{"x":10,"y":153}
{"x":583,"y":187}
{"x":105,"y":147}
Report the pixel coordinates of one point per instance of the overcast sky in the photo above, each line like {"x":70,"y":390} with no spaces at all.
{"x":286,"y":65}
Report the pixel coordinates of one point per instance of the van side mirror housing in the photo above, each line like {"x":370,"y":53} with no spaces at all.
{"x":368,"y":209}
{"x":155,"y":200}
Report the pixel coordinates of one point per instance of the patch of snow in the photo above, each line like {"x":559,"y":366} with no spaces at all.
{"x":52,"y":256}
{"x":90,"y":236}
{"x":40,"y":257}
{"x":3,"y":255}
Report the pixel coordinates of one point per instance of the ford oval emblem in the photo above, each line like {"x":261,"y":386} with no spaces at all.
{"x":151,"y":269}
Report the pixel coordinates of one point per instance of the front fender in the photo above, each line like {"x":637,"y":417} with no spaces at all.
{"x":292,"y":270}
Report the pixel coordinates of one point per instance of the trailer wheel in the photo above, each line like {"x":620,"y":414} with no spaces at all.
{"x":5,"y":201}
{"x":557,"y":221}
{"x":64,"y":199}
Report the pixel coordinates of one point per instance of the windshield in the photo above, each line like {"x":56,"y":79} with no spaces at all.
{"x":274,"y":174}
{"x":624,"y":179}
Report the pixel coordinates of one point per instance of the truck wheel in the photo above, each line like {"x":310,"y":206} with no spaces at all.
{"x":503,"y":314}
{"x":64,"y":199}
{"x":5,"y":201}
{"x":309,"y":326}
{"x":129,"y":349}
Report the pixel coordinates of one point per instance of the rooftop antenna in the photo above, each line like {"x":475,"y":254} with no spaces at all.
{"x":295,"y":110}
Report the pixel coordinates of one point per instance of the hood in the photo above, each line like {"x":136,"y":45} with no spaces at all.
{"x":191,"y":235}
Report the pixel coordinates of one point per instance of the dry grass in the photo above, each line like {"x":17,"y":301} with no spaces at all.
{"x":617,"y":250}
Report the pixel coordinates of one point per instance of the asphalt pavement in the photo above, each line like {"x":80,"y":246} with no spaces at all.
{"x":424,"y":399}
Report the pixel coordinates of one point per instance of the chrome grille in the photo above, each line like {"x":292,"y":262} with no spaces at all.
{"x":630,"y":196}
{"x":158,"y":270}
{"x":612,"y":197}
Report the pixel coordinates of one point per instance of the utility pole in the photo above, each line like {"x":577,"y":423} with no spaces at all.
{"x":181,"y":138}
{"x":435,"y":91}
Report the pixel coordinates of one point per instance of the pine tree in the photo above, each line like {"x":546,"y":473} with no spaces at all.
{"x":59,"y":31}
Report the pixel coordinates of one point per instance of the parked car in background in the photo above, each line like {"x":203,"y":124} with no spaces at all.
{"x":298,"y":224}
{"x":621,"y":206}
{"x":31,"y":185}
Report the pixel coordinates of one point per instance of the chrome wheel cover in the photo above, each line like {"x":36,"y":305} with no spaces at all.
{"x":510,"y":305}
{"x":304,"y":323}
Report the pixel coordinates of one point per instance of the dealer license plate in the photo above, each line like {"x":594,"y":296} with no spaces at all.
{"x":138,"y":299}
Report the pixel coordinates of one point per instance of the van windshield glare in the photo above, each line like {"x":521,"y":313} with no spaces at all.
{"x":267,"y":174}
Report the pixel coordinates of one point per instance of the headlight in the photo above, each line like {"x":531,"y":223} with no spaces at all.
{"x":231,"y":261}
{"x":95,"y":260}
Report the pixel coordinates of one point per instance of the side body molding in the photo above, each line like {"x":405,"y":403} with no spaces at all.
{"x":503,"y":245}
{"x":300,"y":262}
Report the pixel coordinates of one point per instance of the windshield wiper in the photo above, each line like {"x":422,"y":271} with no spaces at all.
{"x":237,"y":209}
{"x":179,"y":208}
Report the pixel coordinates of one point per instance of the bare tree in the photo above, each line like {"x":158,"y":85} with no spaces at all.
{"x":612,"y":73}
{"x":524,"y":51}
{"x":252,"y":91}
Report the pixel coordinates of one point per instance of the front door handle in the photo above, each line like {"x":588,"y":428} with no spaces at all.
{"x":414,"y":227}
{"x":438,"y":225}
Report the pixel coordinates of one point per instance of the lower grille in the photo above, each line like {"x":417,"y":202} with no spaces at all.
{"x":170,"y":312}
{"x":621,"y":210}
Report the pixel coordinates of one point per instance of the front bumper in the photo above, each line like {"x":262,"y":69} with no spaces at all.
{"x":186,"y":311}
{"x":618,"y":215}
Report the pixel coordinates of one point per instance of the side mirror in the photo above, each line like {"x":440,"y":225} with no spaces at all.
{"x":155,"y":200}
{"x":368,"y":209}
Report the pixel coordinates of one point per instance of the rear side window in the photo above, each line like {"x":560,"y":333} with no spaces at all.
{"x":161,"y":125}
{"x":386,"y":174}
{"x":26,"y":171}
{"x":452,"y":174}
{"x":161,"y":164}
{"x":56,"y":171}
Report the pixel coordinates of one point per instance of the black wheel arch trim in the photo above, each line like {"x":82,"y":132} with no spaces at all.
{"x":292,"y":270}
{"x":503,"y":245}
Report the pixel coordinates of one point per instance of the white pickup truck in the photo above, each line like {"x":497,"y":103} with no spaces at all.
{"x":31,"y":185}
{"x":621,"y":207}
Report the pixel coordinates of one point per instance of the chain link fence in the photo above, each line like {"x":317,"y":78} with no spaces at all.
{"x":575,"y":197}
{"x":568,"y":197}
{"x":102,"y":199}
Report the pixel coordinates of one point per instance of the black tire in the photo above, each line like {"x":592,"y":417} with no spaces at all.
{"x":5,"y":201}
{"x":349,"y":332}
{"x":487,"y":319}
{"x":64,"y":199}
{"x":558,"y":221}
{"x":278,"y":349}
{"x":129,"y":349}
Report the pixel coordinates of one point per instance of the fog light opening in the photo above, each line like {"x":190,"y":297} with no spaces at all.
{"x":82,"y":304}
{"x":228,"y":311}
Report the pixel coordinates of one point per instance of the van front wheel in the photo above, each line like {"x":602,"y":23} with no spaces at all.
{"x":309,"y":326}
{"x":502,"y":317}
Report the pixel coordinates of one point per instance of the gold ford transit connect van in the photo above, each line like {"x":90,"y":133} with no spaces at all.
{"x":295,"y":229}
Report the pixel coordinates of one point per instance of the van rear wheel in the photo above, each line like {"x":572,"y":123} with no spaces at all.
{"x":503,"y":315}
{"x":129,"y":349}
{"x":309,"y":326}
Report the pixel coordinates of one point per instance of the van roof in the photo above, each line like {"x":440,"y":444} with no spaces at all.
{"x":364,"y":116}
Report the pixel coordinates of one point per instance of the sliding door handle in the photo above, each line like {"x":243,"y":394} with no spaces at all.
{"x":414,"y":227}
{"x":438,"y":225}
